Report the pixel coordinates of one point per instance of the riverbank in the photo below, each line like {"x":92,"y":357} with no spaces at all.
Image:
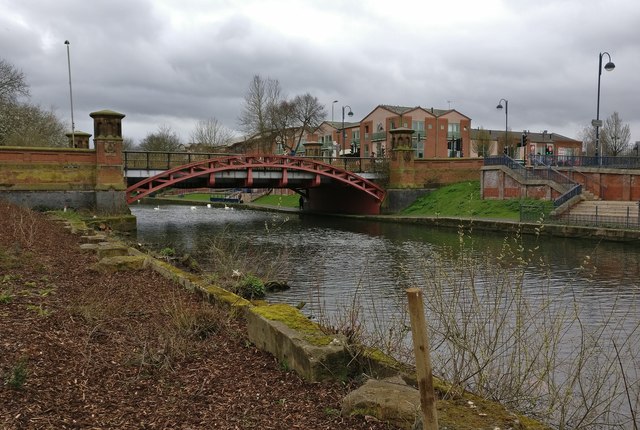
{"x":130,"y":349}
{"x":87,"y":349}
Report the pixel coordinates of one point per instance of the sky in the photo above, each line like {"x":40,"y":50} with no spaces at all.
{"x":174,"y":63}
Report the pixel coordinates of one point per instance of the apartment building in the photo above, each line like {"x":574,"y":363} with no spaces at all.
{"x":436,"y":133}
{"x":519,"y":145}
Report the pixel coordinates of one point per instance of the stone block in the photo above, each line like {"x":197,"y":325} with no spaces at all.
{"x":390,"y":400}
{"x":120,"y":263}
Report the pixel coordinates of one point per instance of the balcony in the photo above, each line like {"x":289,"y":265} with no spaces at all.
{"x":381,"y":135}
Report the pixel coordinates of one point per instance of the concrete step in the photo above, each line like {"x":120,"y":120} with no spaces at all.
{"x":605,"y":208}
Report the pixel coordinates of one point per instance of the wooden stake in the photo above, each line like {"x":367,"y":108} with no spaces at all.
{"x":423,"y":360}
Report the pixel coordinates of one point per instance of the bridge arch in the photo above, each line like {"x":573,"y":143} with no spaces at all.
{"x":334,"y":189}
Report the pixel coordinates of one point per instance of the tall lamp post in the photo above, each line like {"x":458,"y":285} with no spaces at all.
{"x":597,"y":123}
{"x":73,"y":125}
{"x":332,"y":103}
{"x":506,"y":119}
{"x":344,"y":133}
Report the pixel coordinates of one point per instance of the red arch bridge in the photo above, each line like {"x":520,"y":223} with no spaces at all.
{"x":327,"y":188}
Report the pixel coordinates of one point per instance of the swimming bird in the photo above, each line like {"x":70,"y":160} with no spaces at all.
{"x":157,"y":208}
{"x":208,"y":205}
{"x":193,"y":208}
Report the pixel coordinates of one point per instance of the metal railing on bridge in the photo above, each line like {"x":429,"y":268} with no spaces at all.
{"x":156,"y":160}
{"x":151,"y":160}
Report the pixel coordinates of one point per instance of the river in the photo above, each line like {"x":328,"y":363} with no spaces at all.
{"x":335,"y":265}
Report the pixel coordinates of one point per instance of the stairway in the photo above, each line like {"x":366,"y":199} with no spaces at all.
{"x":604,"y":213}
{"x":605,"y":208}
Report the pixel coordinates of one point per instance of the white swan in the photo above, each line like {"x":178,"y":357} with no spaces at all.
{"x":157,"y":208}
{"x":209,"y":205}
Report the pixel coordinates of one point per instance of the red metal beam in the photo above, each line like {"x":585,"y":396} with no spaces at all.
{"x":249,"y":163}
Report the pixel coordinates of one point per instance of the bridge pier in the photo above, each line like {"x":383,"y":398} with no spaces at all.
{"x":341,"y":200}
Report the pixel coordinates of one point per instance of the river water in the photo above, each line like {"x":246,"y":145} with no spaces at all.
{"x":331,"y":259}
{"x":334,"y":265}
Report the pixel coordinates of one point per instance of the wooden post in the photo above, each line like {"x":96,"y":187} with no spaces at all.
{"x":423,"y":360}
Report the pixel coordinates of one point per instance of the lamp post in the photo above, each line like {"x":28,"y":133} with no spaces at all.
{"x":332,"y":103}
{"x":506,"y":119}
{"x":73,"y":125}
{"x":344,"y":134}
{"x":597,"y":123}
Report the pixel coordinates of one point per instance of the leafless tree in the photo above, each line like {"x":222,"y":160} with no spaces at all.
{"x":282,"y":117}
{"x":263,"y":95}
{"x":23,"y":124}
{"x":12,"y":83}
{"x":165,"y":139}
{"x":308,"y":114}
{"x":482,"y":143}
{"x":615,"y":136}
{"x":128,"y":144}
{"x":210,"y":135}
{"x":588,"y":136}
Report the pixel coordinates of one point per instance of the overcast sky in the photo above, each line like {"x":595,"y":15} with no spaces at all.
{"x":163,"y":62}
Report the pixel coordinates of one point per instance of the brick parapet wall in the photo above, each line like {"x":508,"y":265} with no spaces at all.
{"x":605,"y":184}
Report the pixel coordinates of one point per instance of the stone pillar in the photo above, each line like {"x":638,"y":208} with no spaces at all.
{"x":80,"y":139}
{"x":110,"y":183}
{"x":312,"y":149}
{"x":401,"y":168}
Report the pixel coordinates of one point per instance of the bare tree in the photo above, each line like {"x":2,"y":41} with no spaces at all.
{"x":12,"y":83}
{"x":262,"y":96}
{"x":588,"y":136}
{"x":308,"y":114}
{"x":615,"y":136}
{"x":23,"y":124}
{"x":128,"y":144}
{"x":210,"y":135}
{"x":165,"y":139}
{"x":482,"y":143}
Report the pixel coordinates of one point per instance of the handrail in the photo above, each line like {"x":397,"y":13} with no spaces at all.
{"x":548,"y":174}
{"x":159,"y":160}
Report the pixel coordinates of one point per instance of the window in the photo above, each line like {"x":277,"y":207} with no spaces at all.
{"x":418,"y":138}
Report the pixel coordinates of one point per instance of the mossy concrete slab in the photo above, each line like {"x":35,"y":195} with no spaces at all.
{"x":390,"y":400}
{"x":120,"y":263}
{"x":110,"y":249}
{"x":310,"y":353}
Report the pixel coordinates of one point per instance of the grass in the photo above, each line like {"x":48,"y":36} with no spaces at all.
{"x":291,"y":201}
{"x":463,"y":200}
{"x":269,"y":200}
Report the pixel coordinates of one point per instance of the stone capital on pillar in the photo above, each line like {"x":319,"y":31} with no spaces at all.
{"x":401,"y":168}
{"x":78,"y":139}
{"x":312,"y":149}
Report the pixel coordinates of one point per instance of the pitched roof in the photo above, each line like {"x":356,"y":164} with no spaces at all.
{"x":533,"y":137}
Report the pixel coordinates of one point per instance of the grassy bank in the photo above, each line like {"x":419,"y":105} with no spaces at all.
{"x":464,"y":200}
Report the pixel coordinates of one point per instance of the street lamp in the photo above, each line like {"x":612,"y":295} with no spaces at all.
{"x":73,"y":125}
{"x":332,"y":103}
{"x":506,"y":118}
{"x":597,"y":123}
{"x":344,"y":134}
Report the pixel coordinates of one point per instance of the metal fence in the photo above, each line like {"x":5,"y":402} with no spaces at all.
{"x":540,"y":213}
{"x":586,"y":161}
